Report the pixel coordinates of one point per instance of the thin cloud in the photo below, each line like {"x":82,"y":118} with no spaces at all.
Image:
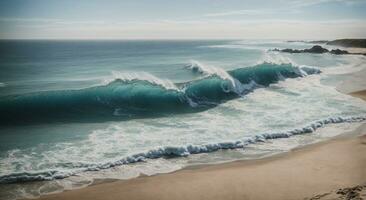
{"x":49,"y":21}
{"x":302,"y":3}
{"x":291,"y":5}
{"x":37,"y":20}
{"x":239,"y":12}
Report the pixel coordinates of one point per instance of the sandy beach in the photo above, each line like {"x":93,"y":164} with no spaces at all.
{"x":316,"y":171}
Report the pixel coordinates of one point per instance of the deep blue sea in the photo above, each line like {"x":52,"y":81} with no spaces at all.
{"x":75,"y":111}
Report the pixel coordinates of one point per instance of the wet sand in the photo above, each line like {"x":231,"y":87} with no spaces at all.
{"x":360,"y":94}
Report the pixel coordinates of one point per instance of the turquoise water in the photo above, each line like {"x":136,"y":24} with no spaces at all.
{"x":75,"y":111}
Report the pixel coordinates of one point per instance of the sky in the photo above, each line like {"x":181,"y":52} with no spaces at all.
{"x":182,"y":19}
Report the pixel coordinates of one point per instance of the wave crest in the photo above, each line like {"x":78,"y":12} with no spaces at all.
{"x":143,"y":76}
{"x":129,"y":97}
{"x":235,"y":85}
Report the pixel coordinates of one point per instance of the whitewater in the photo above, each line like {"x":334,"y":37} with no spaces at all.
{"x":71,"y":113}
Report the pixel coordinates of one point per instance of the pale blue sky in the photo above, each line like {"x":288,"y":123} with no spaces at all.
{"x":182,"y":19}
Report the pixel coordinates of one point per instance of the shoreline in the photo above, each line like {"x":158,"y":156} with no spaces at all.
{"x":316,"y":170}
{"x":302,"y":172}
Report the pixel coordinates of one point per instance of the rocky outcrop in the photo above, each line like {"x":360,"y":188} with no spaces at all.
{"x":338,"y":51}
{"x":359,"y":43}
{"x":315,"y":49}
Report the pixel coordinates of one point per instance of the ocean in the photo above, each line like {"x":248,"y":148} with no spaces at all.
{"x":75,"y":111}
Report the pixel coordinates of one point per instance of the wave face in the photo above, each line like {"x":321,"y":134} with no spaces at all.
{"x":123,"y":99}
{"x":175,"y":151}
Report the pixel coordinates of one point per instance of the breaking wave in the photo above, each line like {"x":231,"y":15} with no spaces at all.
{"x":174,"y":151}
{"x":142,"y":96}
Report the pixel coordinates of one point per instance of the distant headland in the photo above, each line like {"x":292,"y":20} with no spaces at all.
{"x":359,"y":43}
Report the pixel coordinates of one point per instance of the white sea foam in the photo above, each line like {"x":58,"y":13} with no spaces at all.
{"x":275,"y":58}
{"x":346,"y":64}
{"x":209,"y":70}
{"x":140,"y":76}
{"x":235,"y":46}
{"x":279,"y":58}
{"x":206,"y":69}
{"x":247,"y":45}
{"x":176,"y":151}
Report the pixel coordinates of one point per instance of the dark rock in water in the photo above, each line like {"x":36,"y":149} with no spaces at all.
{"x":291,"y":51}
{"x":316,"y":49}
{"x":338,"y":52}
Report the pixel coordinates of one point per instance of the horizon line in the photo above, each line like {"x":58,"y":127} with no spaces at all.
{"x":111,"y":39}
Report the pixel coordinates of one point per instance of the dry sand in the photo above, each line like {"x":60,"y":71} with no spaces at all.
{"x":312,"y":172}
